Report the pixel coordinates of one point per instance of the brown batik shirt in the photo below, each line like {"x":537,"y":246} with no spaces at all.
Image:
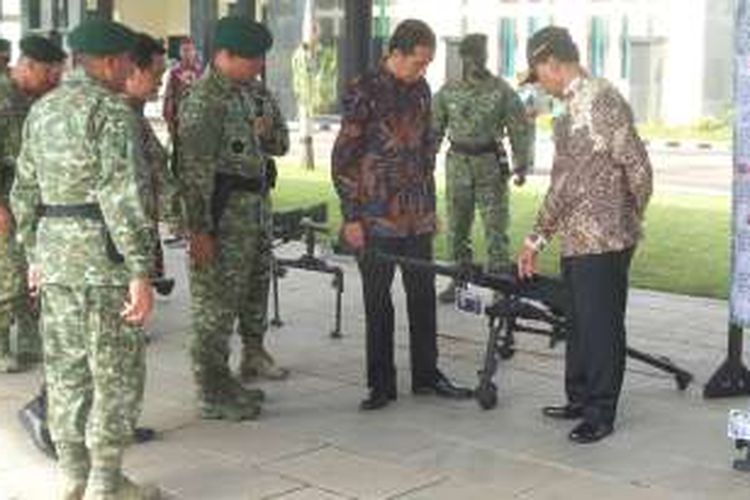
{"x":601,"y":174}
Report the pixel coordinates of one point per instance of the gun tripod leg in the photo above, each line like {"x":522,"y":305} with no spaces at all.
{"x":338,"y":284}
{"x":486,"y":392}
{"x":276,"y":320}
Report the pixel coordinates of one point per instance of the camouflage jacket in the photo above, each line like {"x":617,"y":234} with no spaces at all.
{"x":157,"y":181}
{"x":216,"y":135}
{"x":483,"y":111}
{"x":180,"y":78}
{"x":80,"y":145}
{"x":14,"y":106}
{"x":601,"y":174}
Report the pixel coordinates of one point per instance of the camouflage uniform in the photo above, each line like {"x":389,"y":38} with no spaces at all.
{"x":217,"y":140}
{"x":14,"y":107}
{"x":94,"y":362}
{"x":477,"y":112}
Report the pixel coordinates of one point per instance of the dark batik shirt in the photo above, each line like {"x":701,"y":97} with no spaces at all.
{"x":384,"y":157}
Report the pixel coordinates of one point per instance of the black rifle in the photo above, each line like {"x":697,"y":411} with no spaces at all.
{"x":306,"y":224}
{"x":523,"y":306}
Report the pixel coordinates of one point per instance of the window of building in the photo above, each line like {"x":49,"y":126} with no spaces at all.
{"x":35,"y":14}
{"x":507,"y":48}
{"x":535,"y":23}
{"x":598,"y":41}
{"x":625,"y":48}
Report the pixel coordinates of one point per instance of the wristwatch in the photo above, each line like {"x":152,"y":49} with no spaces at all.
{"x":535,"y":242}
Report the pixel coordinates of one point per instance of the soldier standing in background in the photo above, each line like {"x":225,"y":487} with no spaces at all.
{"x":225,"y":182}
{"x":476,"y":113}
{"x":37,"y":72}
{"x":158,"y":183}
{"x":5,"y":54}
{"x":77,"y":195}
{"x":256,"y":362}
{"x":181,"y":77}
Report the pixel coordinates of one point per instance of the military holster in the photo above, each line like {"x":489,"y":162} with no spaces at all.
{"x":91,"y":211}
{"x":226,"y":184}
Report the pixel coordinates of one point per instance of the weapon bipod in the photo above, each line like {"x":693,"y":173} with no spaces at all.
{"x":511,"y":314}
{"x":308,"y":262}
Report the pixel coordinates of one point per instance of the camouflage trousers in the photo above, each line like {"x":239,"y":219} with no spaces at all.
{"x":94,"y":366}
{"x":232,"y":292}
{"x":14,"y":304}
{"x":471,"y":182}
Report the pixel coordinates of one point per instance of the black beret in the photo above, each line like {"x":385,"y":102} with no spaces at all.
{"x":242,"y":36}
{"x":42,"y":49}
{"x":473,"y":46}
{"x":100,"y":37}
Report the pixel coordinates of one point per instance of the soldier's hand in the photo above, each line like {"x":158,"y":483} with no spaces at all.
{"x":263,"y":126}
{"x":202,"y":249}
{"x":6,"y":220}
{"x":34,"y":279}
{"x":354,"y":235}
{"x":527,"y":262}
{"x":140,"y":302}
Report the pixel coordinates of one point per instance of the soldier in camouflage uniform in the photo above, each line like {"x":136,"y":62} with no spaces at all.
{"x":159,"y":185}
{"x":223,"y":126}
{"x":37,"y":72}
{"x":476,"y":113}
{"x":77,"y":195}
{"x":253,"y":320}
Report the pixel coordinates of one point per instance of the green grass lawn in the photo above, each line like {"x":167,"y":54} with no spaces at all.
{"x":686,"y":249}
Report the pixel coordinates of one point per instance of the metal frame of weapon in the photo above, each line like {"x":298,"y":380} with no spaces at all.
{"x":522,"y":301}
{"x":306,"y":224}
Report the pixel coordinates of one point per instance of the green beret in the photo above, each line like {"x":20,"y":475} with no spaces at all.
{"x":474,"y":46}
{"x":100,"y":37}
{"x":42,"y":49}
{"x":242,"y":36}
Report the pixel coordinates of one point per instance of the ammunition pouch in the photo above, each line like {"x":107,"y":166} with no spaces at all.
{"x":90,"y":211}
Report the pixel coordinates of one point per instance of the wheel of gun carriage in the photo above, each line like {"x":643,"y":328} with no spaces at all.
{"x":486,"y":395}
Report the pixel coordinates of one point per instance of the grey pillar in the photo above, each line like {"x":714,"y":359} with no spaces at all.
{"x":355,"y":56}
{"x":244,"y":8}
{"x":202,"y":20}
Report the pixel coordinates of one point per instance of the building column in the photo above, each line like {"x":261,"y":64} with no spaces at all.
{"x":202,"y":20}
{"x":355,"y":46}
{"x":244,"y":8}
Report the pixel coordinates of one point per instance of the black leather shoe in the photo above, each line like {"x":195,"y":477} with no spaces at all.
{"x":566,"y":412}
{"x":586,"y":432}
{"x":376,"y":401}
{"x":144,"y":434}
{"x":443,"y":388}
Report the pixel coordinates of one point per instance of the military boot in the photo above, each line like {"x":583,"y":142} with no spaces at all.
{"x":73,"y":461}
{"x":127,"y":490}
{"x":72,"y":489}
{"x":258,"y":363}
{"x":448,"y":295}
{"x":234,"y":411}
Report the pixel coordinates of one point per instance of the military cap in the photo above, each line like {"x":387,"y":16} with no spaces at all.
{"x":551,"y":41}
{"x":473,"y":46}
{"x":42,"y":49}
{"x":242,"y":36}
{"x":100,"y":37}
{"x":4,"y":45}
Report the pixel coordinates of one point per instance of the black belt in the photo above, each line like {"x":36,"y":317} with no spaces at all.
{"x":464,"y":148}
{"x":79,"y":211}
{"x":90,"y":211}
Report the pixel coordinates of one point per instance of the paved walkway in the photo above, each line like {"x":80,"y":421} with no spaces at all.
{"x":312,"y":444}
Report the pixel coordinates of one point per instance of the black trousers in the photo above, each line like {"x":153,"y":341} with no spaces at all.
{"x":596,"y":349}
{"x":377,"y":277}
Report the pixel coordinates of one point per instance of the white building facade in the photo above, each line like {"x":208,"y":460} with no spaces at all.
{"x":671,"y":58}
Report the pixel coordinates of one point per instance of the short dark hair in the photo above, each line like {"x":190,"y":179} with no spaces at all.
{"x":410,"y":34}
{"x":145,"y":49}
